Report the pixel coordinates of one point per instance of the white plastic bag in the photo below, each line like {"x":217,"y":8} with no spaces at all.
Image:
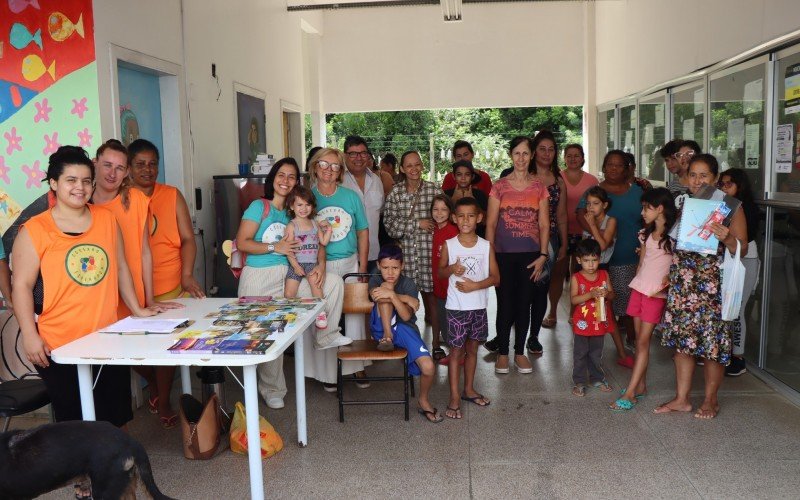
{"x":732,"y":284}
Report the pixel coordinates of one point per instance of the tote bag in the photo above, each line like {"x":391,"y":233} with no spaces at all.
{"x":732,"y":284}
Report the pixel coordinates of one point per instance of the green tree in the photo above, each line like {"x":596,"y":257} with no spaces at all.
{"x":489,"y":130}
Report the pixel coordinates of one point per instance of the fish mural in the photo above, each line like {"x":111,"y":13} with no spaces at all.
{"x":34,"y":68}
{"x":61,"y":28}
{"x":13,"y":97}
{"x":17,"y":6}
{"x":20,"y":37}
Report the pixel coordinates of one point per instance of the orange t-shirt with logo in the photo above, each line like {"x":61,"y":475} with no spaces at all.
{"x":165,"y":240}
{"x":132,"y":223}
{"x":79,"y":274}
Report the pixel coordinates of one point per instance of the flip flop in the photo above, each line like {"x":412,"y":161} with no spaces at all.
{"x":637,"y":396}
{"x":476,"y":399}
{"x":621,"y":405}
{"x":169,"y":422}
{"x":385,"y":345}
{"x":704,"y":414}
{"x":457,"y":412}
{"x":152,"y":404}
{"x":663,"y":408}
{"x":431,"y":416}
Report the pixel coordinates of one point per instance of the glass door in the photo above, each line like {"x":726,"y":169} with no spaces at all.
{"x":736,"y":138}
{"x":606,"y":122}
{"x":627,"y":127}
{"x":689,"y":111}
{"x":785,"y":172}
{"x":652,"y":134}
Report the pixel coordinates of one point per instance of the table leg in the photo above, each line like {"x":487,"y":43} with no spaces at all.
{"x":85,"y":387}
{"x":253,"y":433}
{"x":300,"y":390}
{"x":186,"y":379}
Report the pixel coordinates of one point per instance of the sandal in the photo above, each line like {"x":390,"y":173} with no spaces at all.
{"x":453,"y":413}
{"x":431,"y":416}
{"x":636,"y":396}
{"x":549,"y":322}
{"x":385,"y":345}
{"x":169,"y":422}
{"x":475,"y":400}
{"x":621,"y":405}
{"x":439,"y":354}
{"x":579,"y":390}
{"x":602,"y":385}
{"x":152,"y":404}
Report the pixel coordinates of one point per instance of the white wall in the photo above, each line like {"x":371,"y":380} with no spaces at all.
{"x":641,"y":43}
{"x":253,"y":42}
{"x":501,"y":55}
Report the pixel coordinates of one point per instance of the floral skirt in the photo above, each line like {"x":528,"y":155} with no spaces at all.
{"x":693,"y":318}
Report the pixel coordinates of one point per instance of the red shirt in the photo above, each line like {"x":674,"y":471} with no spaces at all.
{"x":439,"y":237}
{"x":485,"y":184}
{"x":584,"y":316}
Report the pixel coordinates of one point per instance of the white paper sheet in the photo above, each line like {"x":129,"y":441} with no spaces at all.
{"x":752,"y":144}
{"x":144,"y":325}
{"x":783,"y":142}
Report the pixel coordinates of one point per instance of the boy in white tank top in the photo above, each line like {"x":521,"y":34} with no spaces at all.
{"x":469,"y":264}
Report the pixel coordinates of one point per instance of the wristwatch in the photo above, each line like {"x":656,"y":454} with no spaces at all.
{"x":270,"y":248}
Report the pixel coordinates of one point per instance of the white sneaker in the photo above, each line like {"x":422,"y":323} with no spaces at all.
{"x":322,"y":321}
{"x":275,"y":403}
{"x":338,"y":341}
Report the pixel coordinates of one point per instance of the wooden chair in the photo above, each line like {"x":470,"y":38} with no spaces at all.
{"x":356,"y":301}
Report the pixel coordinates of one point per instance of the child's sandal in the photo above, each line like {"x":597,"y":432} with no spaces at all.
{"x":438,"y":354}
{"x":385,"y":345}
{"x":579,"y":390}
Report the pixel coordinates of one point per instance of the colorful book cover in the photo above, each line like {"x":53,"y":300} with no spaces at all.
{"x":694,"y":233}
{"x":194,"y":345}
{"x":243,"y":346}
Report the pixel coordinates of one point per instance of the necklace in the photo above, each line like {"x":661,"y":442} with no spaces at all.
{"x":335,"y":187}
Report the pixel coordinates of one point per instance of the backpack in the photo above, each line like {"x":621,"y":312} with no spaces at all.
{"x":237,"y":258}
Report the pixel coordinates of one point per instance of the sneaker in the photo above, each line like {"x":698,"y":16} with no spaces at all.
{"x":501,"y":365}
{"x":338,"y":341}
{"x":361,"y":384}
{"x":534,"y":346}
{"x":737,"y":367}
{"x":523,"y":364}
{"x":491,"y":345}
{"x":322,"y":321}
{"x":276,"y":403}
{"x":329,"y":387}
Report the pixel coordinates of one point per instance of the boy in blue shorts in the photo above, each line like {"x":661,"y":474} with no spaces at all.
{"x":393,"y":322}
{"x":468,"y":262}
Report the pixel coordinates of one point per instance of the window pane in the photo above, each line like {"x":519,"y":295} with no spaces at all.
{"x":787,"y":133}
{"x":605,"y":120}
{"x":688,"y":114}
{"x":652,"y":130}
{"x":783,"y":332}
{"x":737,"y":123}
{"x":627,"y":128}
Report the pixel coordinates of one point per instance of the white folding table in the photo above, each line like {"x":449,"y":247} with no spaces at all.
{"x":138,"y":349}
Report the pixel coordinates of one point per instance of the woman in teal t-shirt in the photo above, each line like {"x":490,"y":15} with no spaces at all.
{"x":264,"y":272}
{"x":348,"y":249}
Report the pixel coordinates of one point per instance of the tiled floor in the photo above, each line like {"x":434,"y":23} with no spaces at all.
{"x":535,"y":440}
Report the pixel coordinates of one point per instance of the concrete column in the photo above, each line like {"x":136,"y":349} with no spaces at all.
{"x":593,"y":158}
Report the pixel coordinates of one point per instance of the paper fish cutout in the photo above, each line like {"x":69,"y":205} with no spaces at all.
{"x":61,"y":28}
{"x":33,"y":68}
{"x":12,"y":97}
{"x":17,"y":6}
{"x":20,"y":37}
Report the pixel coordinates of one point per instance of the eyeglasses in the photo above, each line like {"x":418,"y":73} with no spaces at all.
{"x":685,"y":154}
{"x":725,"y":184}
{"x":355,"y":154}
{"x":324,"y":165}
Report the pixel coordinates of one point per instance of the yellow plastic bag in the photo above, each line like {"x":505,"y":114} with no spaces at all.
{"x":271,"y":442}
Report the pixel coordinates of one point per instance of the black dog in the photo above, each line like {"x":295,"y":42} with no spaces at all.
{"x":42,"y":459}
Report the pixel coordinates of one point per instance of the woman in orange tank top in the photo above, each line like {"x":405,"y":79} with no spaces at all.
{"x":173,"y":248}
{"x":77,"y":249}
{"x":132,"y":210}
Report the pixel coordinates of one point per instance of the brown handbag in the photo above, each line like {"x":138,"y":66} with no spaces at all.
{"x":200,"y":427}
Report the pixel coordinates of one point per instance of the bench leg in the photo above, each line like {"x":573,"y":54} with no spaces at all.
{"x":405,"y":385}
{"x":340,"y":389}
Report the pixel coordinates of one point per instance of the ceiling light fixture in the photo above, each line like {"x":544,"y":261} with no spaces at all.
{"x":451,"y":10}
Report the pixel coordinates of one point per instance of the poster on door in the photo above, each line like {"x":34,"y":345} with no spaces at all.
{"x":792,"y":93}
